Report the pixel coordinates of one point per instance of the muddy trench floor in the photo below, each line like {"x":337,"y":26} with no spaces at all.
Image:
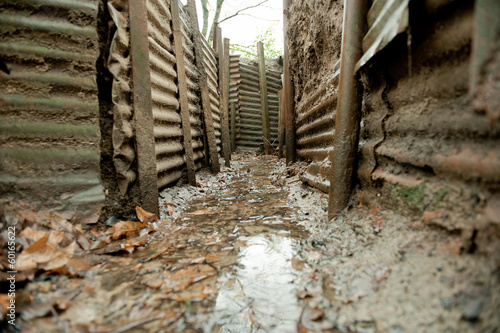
{"x":250,"y":250}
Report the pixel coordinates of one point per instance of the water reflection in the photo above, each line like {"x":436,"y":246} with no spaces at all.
{"x":260,"y":296}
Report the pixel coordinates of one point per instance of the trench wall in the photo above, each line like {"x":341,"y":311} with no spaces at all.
{"x":49,"y":124}
{"x":422,"y":145}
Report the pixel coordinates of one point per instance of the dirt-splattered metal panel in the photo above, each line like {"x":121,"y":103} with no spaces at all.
{"x":192,"y":76}
{"x":49,"y":133}
{"x":250,"y":121}
{"x":210,"y":62}
{"x":166,"y":112}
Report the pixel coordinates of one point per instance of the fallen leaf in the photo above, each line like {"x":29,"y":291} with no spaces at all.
{"x":206,"y":211}
{"x":125,"y":229}
{"x":171,"y":211}
{"x":32,"y":235}
{"x":213,"y":258}
{"x":152,"y":281}
{"x":4,"y":303}
{"x":131,"y":245}
{"x":144,"y":216}
{"x":181,"y":279}
{"x":136,"y":267}
{"x":60,"y":258}
{"x":40,"y":252}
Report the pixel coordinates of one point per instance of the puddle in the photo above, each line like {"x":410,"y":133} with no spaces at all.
{"x":260,"y":296}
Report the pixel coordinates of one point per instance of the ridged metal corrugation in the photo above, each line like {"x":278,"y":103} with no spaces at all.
{"x":234,"y":91}
{"x":166,"y":111}
{"x":210,"y":62}
{"x":251,"y":135}
{"x":421,"y":135}
{"x":48,"y":95}
{"x":315,"y":124}
{"x":192,"y":76}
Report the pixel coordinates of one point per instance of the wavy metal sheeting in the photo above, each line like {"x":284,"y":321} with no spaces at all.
{"x":192,"y":76}
{"x":234,"y":91}
{"x":210,"y":62}
{"x":48,"y":93}
{"x":386,"y":19}
{"x":250,"y":125}
{"x":166,"y":111}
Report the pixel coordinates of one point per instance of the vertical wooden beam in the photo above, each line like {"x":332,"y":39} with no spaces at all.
{"x":233,"y":126}
{"x":281,"y":124}
{"x":288,"y":100}
{"x":264,"y":106}
{"x":224,"y":64}
{"x":183,"y":99}
{"x":143,"y":114}
{"x":205,"y":98}
{"x":348,"y":118}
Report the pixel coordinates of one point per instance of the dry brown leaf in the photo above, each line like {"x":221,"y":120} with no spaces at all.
{"x":171,"y":211}
{"x":60,"y":258}
{"x":32,"y":235}
{"x":131,"y":245}
{"x":144,"y":216}
{"x":206,"y":211}
{"x":42,"y":251}
{"x":126,"y":229}
{"x":4,"y":303}
{"x":181,"y":279}
{"x":152,"y":281}
{"x":213,"y":258}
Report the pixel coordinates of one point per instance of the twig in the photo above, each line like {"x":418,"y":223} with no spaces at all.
{"x":241,"y":10}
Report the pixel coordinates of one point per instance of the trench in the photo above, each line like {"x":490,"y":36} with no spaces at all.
{"x":250,"y":221}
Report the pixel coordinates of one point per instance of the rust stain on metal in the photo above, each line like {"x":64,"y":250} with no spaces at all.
{"x":148,"y":180}
{"x":183,"y":98}
{"x":263,"y":98}
{"x":288,"y":96}
{"x":347,"y":124}
{"x":205,"y":98}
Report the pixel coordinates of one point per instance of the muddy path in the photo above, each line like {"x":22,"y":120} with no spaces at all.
{"x":219,"y":262}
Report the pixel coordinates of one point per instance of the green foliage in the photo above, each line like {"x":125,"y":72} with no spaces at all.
{"x":266,"y":36}
{"x":412,"y":197}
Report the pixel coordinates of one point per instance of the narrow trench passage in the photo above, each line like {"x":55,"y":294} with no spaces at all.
{"x":219,"y":260}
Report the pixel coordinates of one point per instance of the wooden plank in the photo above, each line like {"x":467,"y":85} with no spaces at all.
{"x":183,"y":90}
{"x":263,"y":98}
{"x":205,"y":97}
{"x":143,"y":114}
{"x":224,"y":96}
{"x":233,"y":126}
{"x":281,"y":125}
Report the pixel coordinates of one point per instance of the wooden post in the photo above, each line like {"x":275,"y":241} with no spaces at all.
{"x":226,"y":141}
{"x":183,"y":99}
{"x":281,"y":124}
{"x":224,"y":96}
{"x":143,"y":114}
{"x":233,"y":126}
{"x":205,"y":98}
{"x":264,"y":106}
{"x":288,"y":95}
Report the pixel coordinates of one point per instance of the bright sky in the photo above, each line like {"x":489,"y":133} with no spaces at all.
{"x":245,"y":27}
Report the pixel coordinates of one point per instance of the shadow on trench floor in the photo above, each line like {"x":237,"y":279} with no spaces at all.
{"x":250,"y":250}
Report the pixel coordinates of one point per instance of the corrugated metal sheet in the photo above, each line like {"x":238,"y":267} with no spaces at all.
{"x":210,"y":62}
{"x":315,"y":123}
{"x":48,"y":95}
{"x":386,"y":19}
{"x":192,"y":75}
{"x":164,"y":94}
{"x":250,"y":122}
{"x":421,"y":135}
{"x":234,"y":92}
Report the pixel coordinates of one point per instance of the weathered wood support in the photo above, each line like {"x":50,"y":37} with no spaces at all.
{"x":288,"y":96}
{"x":264,"y":106}
{"x":281,"y":125}
{"x":205,"y":98}
{"x":183,"y":91}
{"x":233,"y":126}
{"x":224,"y":95}
{"x":143,"y":114}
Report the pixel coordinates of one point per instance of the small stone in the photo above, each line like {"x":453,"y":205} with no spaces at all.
{"x":446,"y":303}
{"x":471,"y":309}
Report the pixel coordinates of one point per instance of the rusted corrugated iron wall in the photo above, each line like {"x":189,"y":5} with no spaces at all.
{"x":49,"y":132}
{"x":421,"y":139}
{"x":210,"y":62}
{"x":192,"y":75}
{"x":166,"y":112}
{"x":250,"y":121}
